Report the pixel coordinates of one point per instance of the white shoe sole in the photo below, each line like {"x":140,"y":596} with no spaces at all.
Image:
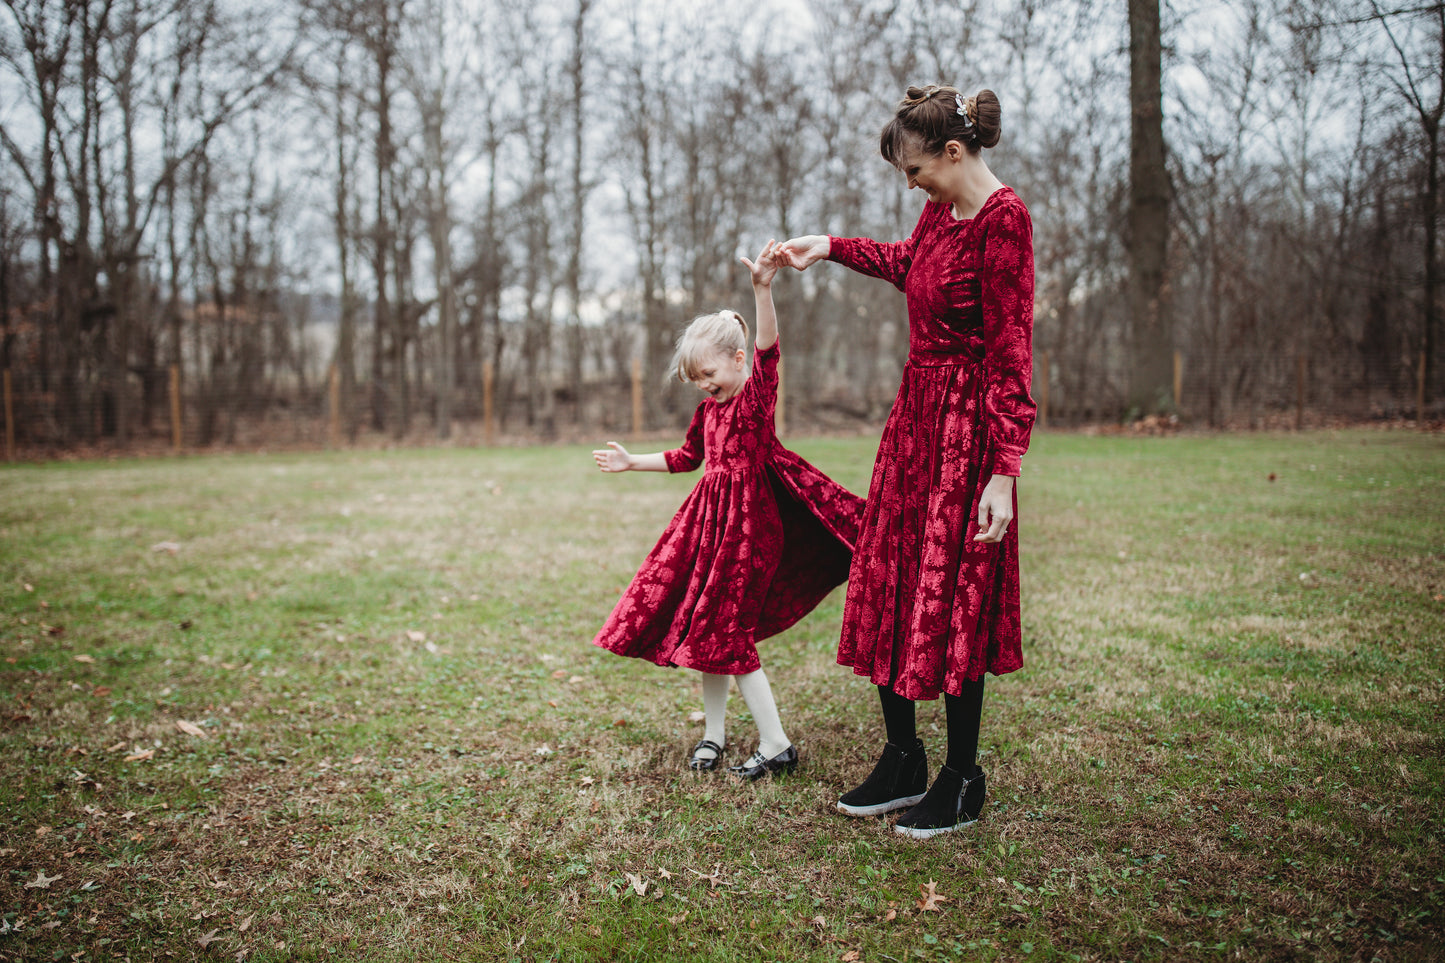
{"x":879,"y":809}
{"x":913,"y":833}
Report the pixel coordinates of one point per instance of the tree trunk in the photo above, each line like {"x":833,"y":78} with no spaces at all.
{"x":573,"y":278}
{"x":1152,"y":349}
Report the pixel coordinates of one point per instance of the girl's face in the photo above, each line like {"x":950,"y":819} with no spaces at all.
{"x":721,"y":375}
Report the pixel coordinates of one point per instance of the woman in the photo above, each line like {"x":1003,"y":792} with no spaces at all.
{"x":931,"y":604}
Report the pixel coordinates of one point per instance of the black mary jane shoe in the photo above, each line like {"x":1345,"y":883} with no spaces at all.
{"x":756,"y":767}
{"x":703,"y":763}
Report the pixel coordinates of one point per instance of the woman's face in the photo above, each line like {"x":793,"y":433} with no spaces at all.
{"x":932,"y":173}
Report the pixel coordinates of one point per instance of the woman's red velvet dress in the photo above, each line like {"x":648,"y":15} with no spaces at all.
{"x":928,"y":608}
{"x":757,"y":544}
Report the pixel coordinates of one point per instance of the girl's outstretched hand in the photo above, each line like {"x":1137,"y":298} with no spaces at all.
{"x":803,"y":252}
{"x":765,"y":266}
{"x":612,"y":458}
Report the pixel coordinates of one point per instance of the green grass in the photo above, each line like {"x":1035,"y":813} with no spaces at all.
{"x":1226,"y":742}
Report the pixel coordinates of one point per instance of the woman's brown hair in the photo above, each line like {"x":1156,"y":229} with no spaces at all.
{"x":933,"y":116}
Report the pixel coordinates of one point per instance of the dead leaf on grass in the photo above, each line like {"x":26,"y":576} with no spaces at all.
{"x":41,"y":881}
{"x":852,"y":956}
{"x":414,"y":636}
{"x":639,"y":885}
{"x":714,"y":880}
{"x":140,"y":755}
{"x":87,"y":659}
{"x":245,"y":923}
{"x":560,"y":674}
{"x":172,"y":547}
{"x":679,"y":920}
{"x":543,"y":750}
{"x":931,"y":898}
{"x":115,"y":748}
{"x":208,"y":938}
{"x":42,"y":830}
{"x":890,"y":916}
{"x":697,"y":716}
{"x":820,"y":922}
{"x":191,"y":729}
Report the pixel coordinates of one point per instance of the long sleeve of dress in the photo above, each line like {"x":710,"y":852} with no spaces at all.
{"x":1008,"y":323}
{"x":690,"y":455}
{"x":887,"y":260}
{"x":762,"y":383}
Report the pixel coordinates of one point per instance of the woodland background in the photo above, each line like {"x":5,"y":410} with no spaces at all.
{"x":273,"y":216}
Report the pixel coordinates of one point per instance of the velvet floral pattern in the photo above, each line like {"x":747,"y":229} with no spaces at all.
{"x":757,"y":544}
{"x":928,"y":608}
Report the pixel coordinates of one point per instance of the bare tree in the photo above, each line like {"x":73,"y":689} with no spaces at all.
{"x":1419,"y":79}
{"x":1151,"y":364}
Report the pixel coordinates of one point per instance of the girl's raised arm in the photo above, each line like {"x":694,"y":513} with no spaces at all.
{"x":763,"y":271}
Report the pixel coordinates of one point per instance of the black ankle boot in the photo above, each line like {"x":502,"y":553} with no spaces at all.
{"x":897,"y":781}
{"x":952,"y":803}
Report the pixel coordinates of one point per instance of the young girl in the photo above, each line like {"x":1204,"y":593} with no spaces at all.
{"x":760,"y":541}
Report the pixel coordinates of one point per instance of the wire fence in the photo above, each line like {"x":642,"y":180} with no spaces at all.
{"x":172,"y":414}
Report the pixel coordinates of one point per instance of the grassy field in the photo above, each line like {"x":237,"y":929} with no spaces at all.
{"x":345,"y":706}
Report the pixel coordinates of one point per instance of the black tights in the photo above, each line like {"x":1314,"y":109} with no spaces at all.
{"x":964,"y":713}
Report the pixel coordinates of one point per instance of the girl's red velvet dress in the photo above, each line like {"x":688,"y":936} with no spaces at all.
{"x":928,"y":608}
{"x":757,"y":544}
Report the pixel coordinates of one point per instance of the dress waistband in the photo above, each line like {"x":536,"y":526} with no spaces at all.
{"x":735,"y":468}
{"x":943,"y":359}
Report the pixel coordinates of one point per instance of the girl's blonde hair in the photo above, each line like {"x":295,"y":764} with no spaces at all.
{"x":708,"y":334}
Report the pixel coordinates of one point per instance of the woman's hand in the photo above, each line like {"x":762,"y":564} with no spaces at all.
{"x":803,"y":252}
{"x":995,"y":509}
{"x":765,"y":266}
{"x":612,"y":458}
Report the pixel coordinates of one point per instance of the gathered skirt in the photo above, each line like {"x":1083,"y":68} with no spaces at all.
{"x":928,"y":608}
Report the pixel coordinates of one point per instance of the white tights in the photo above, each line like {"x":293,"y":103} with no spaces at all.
{"x":758,"y":694}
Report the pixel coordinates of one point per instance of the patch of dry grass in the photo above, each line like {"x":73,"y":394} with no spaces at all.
{"x":411,"y":751}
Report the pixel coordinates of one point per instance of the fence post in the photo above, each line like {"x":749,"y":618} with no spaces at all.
{"x":1043,"y":383}
{"x":1178,"y":379}
{"x":9,"y":419}
{"x":333,"y":402}
{"x":1299,"y":394}
{"x":1419,"y":395}
{"x":489,"y":414}
{"x":175,"y":391}
{"x":636,"y":398}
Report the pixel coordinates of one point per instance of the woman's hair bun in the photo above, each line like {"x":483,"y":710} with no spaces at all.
{"x":988,"y":117}
{"x":934,"y":115}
